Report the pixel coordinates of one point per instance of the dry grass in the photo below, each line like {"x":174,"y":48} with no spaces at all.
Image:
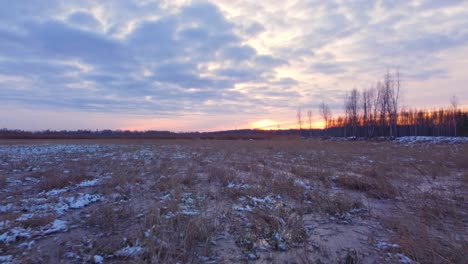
{"x":432,"y":228}
{"x":37,"y":221}
{"x":285,"y":186}
{"x":181,"y":238}
{"x":109,"y":217}
{"x":333,"y":204}
{"x":202,"y":201}
{"x":420,"y":242}
{"x":374,"y":184}
{"x":58,"y":177}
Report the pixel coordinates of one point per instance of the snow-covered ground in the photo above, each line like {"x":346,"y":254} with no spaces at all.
{"x":432,"y":140}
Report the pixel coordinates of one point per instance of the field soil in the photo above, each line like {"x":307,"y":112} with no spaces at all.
{"x":236,"y":201}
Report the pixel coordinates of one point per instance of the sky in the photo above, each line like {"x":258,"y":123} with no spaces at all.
{"x":184,"y":65}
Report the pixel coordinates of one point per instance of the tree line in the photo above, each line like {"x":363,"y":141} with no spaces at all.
{"x":376,"y":112}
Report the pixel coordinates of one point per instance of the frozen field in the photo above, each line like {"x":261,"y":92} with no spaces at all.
{"x":292,"y":201}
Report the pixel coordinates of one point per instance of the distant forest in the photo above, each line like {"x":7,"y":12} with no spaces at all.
{"x":375,"y":112}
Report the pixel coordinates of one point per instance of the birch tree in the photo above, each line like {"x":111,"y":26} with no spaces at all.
{"x":299,"y":120}
{"x":325,"y":112}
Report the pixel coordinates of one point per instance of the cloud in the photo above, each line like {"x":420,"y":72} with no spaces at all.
{"x":165,"y":59}
{"x":220,"y":57}
{"x":436,"y":4}
{"x":57,"y":40}
{"x":84,"y":19}
{"x":328,"y":68}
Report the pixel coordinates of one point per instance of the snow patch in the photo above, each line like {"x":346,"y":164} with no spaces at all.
{"x":4,"y":224}
{"x":130,"y":251}
{"x":57,"y":225}
{"x":98,"y":259}
{"x":431,"y":140}
{"x":14,"y":234}
{"x":169,"y":215}
{"x":403,"y":258}
{"x":27,"y":245}
{"x":83,"y":200}
{"x":89,"y":183}
{"x":385,"y":245}
{"x":24,"y":217}
{"x":55,"y":192}
{"x":6,"y":259}
{"x":302,"y":184}
{"x":6,"y":208}
{"x":238,"y":186}
{"x":247,"y":208}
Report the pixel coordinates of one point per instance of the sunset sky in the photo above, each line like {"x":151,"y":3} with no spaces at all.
{"x":225,"y":64}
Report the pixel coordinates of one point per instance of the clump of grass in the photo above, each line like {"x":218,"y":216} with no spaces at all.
{"x":278,"y":229}
{"x":220,"y":174}
{"x":166,"y":167}
{"x":56,"y":179}
{"x":37,"y":221}
{"x":106,"y":245}
{"x":181,"y":238}
{"x":351,"y":257}
{"x":433,"y":206}
{"x":108,"y":217}
{"x":464,"y":177}
{"x":285,"y":186}
{"x":375,"y":185}
{"x":302,"y":171}
{"x":190,"y":176}
{"x":431,"y":229}
{"x":334,"y":204}
{"x":420,"y":242}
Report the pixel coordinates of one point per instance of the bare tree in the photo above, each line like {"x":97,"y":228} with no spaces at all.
{"x":390,"y":95}
{"x":325,"y":112}
{"x":395,"y":97}
{"x":299,"y":120}
{"x":353,"y":109}
{"x":368,"y":97}
{"x":454,"y":105}
{"x":375,"y":108}
{"x":309,"y":117}
{"x":347,"y":117}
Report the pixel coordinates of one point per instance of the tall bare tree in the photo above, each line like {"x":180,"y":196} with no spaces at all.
{"x":325,"y":112}
{"x":368,"y":97}
{"x":395,"y":97}
{"x":454,"y":105}
{"x":299,"y":120}
{"x":353,"y":108}
{"x":390,"y":96}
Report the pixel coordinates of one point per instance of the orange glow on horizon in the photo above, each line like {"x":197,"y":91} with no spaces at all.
{"x":184,"y":125}
{"x":265,"y":124}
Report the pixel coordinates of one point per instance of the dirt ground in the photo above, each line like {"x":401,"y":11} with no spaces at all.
{"x":197,"y":201}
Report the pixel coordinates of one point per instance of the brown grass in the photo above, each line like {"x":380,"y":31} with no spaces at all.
{"x":141,"y":194}
{"x":420,"y":243}
{"x":37,"y":221}
{"x":333,"y":204}
{"x":56,"y":178}
{"x":181,"y":238}
{"x":110,"y":217}
{"x":374,"y":184}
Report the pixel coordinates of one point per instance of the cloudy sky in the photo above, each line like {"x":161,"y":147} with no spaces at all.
{"x":225,"y":64}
